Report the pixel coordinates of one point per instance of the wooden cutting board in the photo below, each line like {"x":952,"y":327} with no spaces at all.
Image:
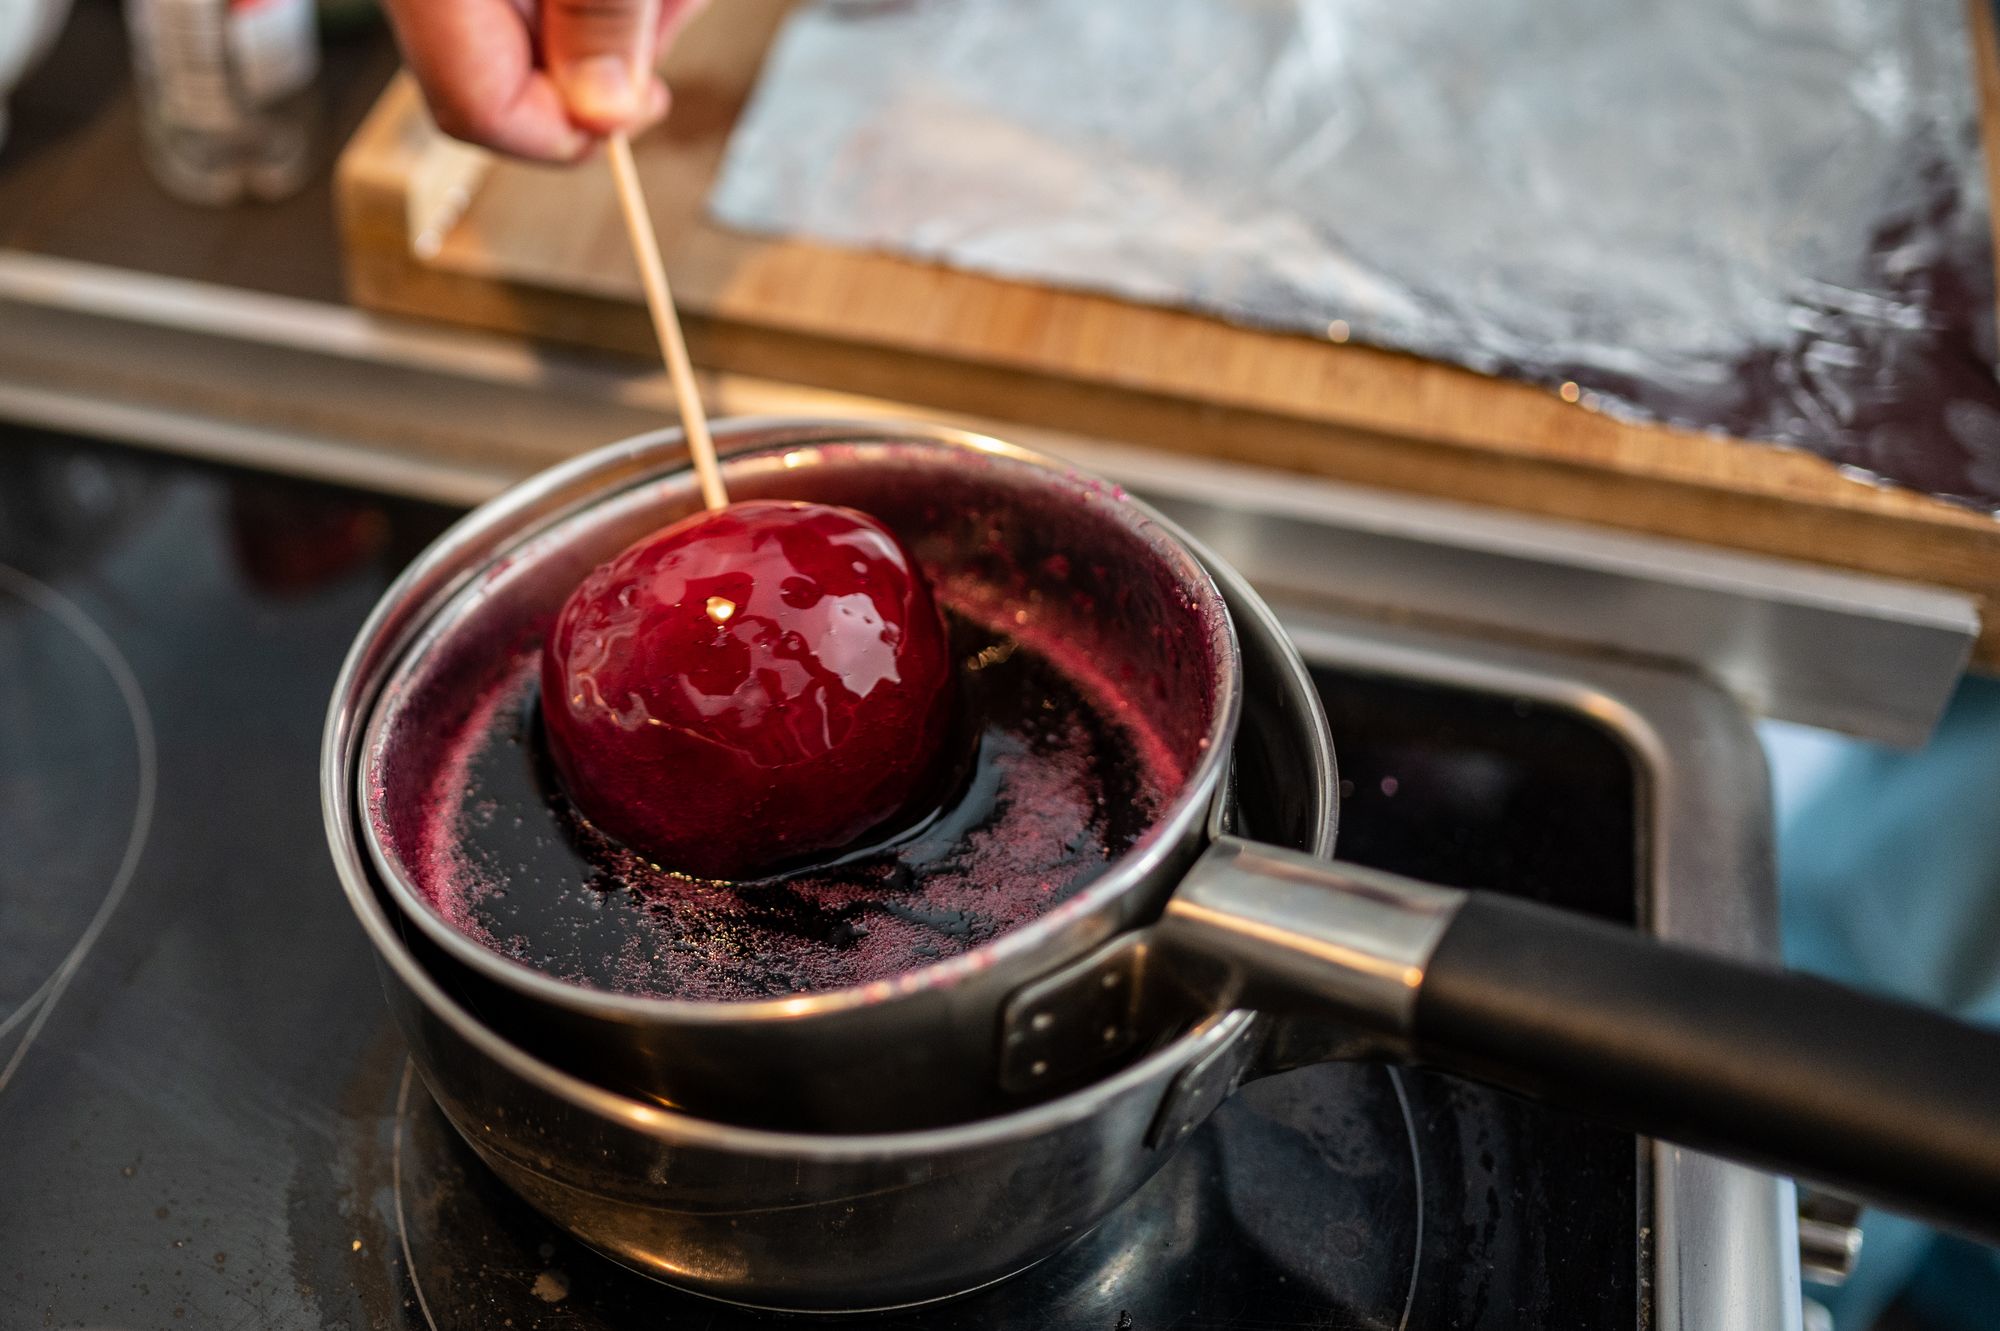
{"x":437,"y":230}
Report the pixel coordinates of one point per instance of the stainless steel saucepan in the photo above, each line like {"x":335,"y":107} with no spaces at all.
{"x":1898,"y":1104}
{"x":804,"y":1221}
{"x":922,"y":1049}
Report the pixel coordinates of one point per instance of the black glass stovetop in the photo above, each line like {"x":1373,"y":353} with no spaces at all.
{"x":206,"y":1118}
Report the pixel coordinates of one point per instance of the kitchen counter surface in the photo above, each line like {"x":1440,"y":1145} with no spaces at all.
{"x":73,"y":186}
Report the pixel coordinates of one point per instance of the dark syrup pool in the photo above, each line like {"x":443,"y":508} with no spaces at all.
{"x":1045,"y":790}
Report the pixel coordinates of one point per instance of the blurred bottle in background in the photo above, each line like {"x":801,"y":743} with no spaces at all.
{"x":225,"y":95}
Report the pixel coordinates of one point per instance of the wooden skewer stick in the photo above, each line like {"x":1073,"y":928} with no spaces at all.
{"x":666,"y":323}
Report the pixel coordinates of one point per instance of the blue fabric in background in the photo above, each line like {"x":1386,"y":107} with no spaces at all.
{"x":1889,"y":879}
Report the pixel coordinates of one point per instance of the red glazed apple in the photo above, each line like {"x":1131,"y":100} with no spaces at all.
{"x":748,"y":685}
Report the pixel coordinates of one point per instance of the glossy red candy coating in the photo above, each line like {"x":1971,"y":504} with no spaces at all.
{"x":748,"y":685}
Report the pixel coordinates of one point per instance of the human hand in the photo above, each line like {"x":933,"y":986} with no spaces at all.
{"x":543,"y":80}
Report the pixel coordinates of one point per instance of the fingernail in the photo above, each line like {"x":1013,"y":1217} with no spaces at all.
{"x":656,"y":101}
{"x":601,"y":88}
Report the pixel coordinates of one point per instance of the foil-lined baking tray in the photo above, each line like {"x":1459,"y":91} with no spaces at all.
{"x":1765,"y":217}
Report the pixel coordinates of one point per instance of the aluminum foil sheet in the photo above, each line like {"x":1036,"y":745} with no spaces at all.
{"x":1766,"y":217}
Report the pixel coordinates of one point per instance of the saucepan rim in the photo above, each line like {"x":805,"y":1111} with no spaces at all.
{"x":515,"y":519}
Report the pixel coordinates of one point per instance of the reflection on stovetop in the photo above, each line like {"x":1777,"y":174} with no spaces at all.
{"x":221,"y":1129}
{"x":1299,"y":1202}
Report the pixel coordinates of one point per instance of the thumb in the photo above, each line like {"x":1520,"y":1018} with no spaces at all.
{"x":599,"y":52}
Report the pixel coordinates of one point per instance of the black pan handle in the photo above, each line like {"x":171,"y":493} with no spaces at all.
{"x":1888,"y":1101}
{"x":1894,"y":1103}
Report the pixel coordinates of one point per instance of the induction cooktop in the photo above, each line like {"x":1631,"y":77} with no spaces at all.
{"x":207,"y":1118}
